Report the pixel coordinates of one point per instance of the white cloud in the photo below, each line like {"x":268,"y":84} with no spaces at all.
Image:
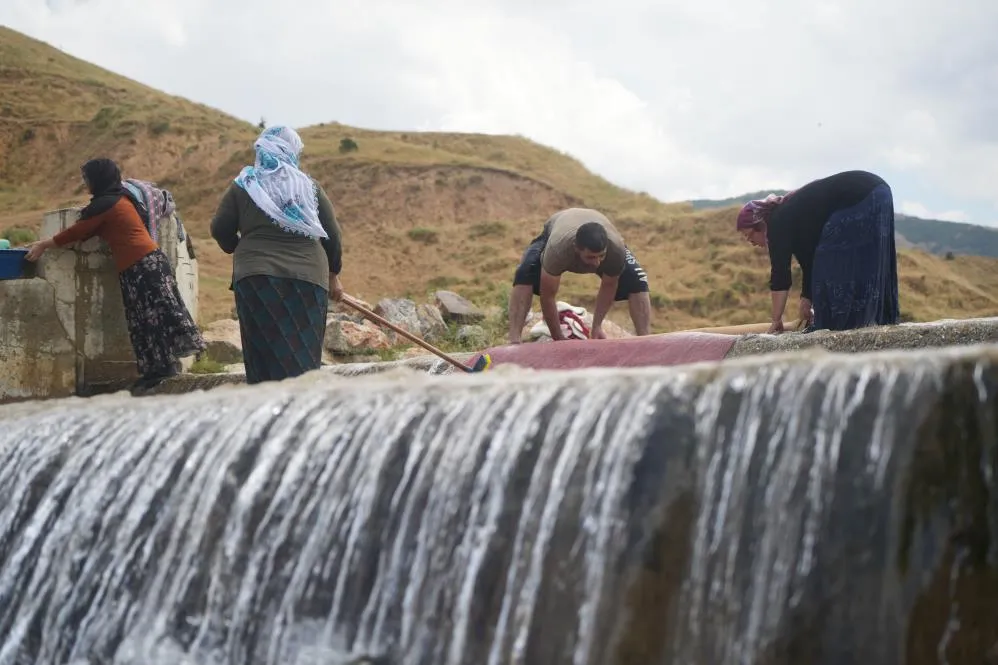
{"x":699,"y":99}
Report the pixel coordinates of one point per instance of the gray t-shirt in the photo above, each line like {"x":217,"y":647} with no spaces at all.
{"x":559,"y":253}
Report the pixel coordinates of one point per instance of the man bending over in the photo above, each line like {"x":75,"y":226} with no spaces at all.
{"x":581,"y":241}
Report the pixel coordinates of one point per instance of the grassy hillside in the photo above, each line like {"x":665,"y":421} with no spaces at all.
{"x":419,"y":211}
{"x":948,"y":238}
{"x":932,"y":235}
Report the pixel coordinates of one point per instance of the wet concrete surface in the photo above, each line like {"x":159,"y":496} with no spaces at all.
{"x":669,"y":349}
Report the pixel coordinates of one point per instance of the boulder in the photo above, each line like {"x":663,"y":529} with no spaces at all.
{"x":457,"y":309}
{"x":224,"y":343}
{"x":344,"y":338}
{"x":400,"y":312}
{"x":336,"y":316}
{"x":338,"y":307}
{"x":431,"y":323}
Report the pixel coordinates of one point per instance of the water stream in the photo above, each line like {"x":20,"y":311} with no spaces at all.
{"x":826,"y":509}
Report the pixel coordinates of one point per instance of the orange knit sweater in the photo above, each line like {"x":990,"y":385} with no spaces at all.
{"x":120,"y":227}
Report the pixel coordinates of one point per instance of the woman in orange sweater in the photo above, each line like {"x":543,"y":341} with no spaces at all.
{"x":160,"y":327}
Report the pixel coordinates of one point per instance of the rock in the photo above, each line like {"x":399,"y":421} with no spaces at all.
{"x":339,"y":316}
{"x":414,"y":352}
{"x":338,"y":307}
{"x":224,"y":343}
{"x":472,"y":336}
{"x":457,"y":309}
{"x":400,"y":312}
{"x":431,"y":324}
{"x":345,"y":338}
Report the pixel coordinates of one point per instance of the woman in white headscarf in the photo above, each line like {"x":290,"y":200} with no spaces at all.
{"x":282,"y":232}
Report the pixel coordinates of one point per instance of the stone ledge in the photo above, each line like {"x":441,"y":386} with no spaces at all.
{"x":947,"y":333}
{"x":950,"y":332}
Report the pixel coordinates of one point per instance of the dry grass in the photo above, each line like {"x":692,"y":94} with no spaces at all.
{"x":419,"y":211}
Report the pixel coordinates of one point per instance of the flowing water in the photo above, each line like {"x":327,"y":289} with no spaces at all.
{"x":826,"y":509}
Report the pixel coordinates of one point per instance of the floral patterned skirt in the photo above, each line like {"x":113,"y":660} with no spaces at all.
{"x":160,"y":327}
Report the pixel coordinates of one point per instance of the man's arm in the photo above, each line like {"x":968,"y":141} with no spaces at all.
{"x":549,"y":306}
{"x":604,"y":300}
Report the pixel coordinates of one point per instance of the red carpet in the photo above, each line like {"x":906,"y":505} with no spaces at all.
{"x":651,"y":350}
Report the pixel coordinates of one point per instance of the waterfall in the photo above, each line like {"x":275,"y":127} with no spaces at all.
{"x":792,"y":509}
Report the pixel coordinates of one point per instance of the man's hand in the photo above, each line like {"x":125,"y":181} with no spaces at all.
{"x":775,"y":327}
{"x":596,"y":332}
{"x":805,"y":313}
{"x":335,"y":288}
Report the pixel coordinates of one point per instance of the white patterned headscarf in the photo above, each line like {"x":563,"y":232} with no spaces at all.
{"x":276,"y":184}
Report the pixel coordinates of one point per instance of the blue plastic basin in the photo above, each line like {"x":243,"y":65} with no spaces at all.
{"x":12,"y":263}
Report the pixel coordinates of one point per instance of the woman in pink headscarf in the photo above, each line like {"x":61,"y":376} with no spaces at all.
{"x":841,"y":231}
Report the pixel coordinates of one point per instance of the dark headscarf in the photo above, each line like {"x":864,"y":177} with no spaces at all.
{"x":104,"y":181}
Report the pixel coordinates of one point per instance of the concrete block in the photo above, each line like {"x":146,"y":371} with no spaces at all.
{"x":37,"y":353}
{"x":65,"y":330}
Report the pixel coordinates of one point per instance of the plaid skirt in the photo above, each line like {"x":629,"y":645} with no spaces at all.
{"x":160,"y":327}
{"x":282,"y":324}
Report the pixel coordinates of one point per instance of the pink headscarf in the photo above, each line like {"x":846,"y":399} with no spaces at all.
{"x":758,"y":211}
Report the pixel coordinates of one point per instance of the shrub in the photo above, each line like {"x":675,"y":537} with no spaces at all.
{"x":426,"y":236}
{"x":497,"y":229}
{"x":159,"y":127}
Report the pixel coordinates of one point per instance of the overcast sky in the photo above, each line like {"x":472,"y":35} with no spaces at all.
{"x":682,"y":99}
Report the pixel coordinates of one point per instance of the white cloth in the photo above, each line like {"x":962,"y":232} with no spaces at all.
{"x":276,"y":184}
{"x":570,"y":327}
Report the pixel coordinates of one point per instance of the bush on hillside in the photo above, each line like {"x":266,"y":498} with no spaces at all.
{"x":427,"y":236}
